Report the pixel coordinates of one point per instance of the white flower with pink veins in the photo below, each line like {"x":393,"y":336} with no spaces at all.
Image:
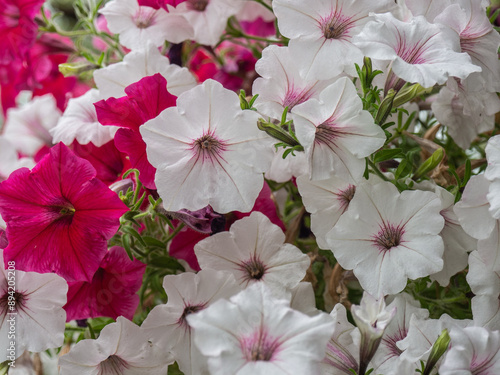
{"x":420,"y":52}
{"x":27,"y":128}
{"x":208,"y":151}
{"x":255,"y":333}
{"x":79,"y":122}
{"x":337,"y":134}
{"x":254,"y":252}
{"x":137,"y":24}
{"x":474,"y":351}
{"x":208,"y":18}
{"x":280,"y":84}
{"x":112,"y":80}
{"x":321,"y":32}
{"x":477,"y":37}
{"x":121,"y":348}
{"x":387,"y":237}
{"x":37,"y":317}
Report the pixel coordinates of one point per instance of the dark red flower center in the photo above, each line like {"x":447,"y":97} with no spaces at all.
{"x":259,"y":346}
{"x":388,"y":236}
{"x":208,"y":147}
{"x":113,"y":365}
{"x":198,"y":5}
{"x":254,"y":268}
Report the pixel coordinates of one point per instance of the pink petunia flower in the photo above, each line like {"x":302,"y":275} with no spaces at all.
{"x":59,"y":216}
{"x":112,"y":292}
{"x":144,"y":101}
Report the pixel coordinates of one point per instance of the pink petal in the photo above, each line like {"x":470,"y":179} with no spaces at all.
{"x":112,"y":291}
{"x":59,"y":216}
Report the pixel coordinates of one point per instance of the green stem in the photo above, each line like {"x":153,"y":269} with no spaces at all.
{"x":174,"y":233}
{"x":376,"y":170}
{"x":261,"y":2}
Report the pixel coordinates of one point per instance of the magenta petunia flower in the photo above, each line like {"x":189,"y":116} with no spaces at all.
{"x":59,"y":216}
{"x":112,"y":291}
{"x":17,"y":28}
{"x":144,"y":101}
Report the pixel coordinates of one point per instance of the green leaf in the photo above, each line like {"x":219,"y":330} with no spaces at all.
{"x":153,"y":242}
{"x":403,"y":170}
{"x":165,"y":262}
{"x":431,"y":163}
{"x":132,"y":232}
{"x":383,"y":155}
{"x":468,"y":172}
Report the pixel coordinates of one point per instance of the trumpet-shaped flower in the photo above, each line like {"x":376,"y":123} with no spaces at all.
{"x":474,"y":351}
{"x":113,"y":79}
{"x":35,"y":314}
{"x":144,"y":101}
{"x":254,"y":251}
{"x":321,"y":32}
{"x":280,"y":84}
{"x":336,"y":132}
{"x":59,"y":216}
{"x":79,"y":122}
{"x":420,"y":52}
{"x":254,"y":333}
{"x":387,"y":237}
{"x":207,"y":151}
{"x":27,"y":128}
{"x":121,"y":348}
{"x":137,"y":24}
{"x":112,"y":292}
{"x":188,"y":294}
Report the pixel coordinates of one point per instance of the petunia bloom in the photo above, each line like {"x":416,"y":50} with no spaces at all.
{"x":144,"y":101}
{"x":255,"y":333}
{"x":207,"y":151}
{"x":254,"y":251}
{"x":59,"y":216}
{"x":36,"y":312}
{"x":121,"y":348}
{"x":112,"y":292}
{"x":420,"y":52}
{"x":387,"y":237}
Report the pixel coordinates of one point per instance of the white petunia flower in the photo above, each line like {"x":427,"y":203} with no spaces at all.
{"x":9,"y":159}
{"x":79,"y":122}
{"x":112,"y":80}
{"x":137,"y":24}
{"x":342,"y":354}
{"x":372,"y":318}
{"x":473,"y":209}
{"x":387,"y":237}
{"x":208,"y":151}
{"x":337,"y":134}
{"x":32,"y":312}
{"x":280,"y":84}
{"x":466,"y":109}
{"x":477,"y":38}
{"x":27,"y":128}
{"x":420,"y":52}
{"x":121,"y":348}
{"x":254,"y":251}
{"x":474,"y":351}
{"x":423,"y":333}
{"x":386,"y":360}
{"x":485,"y":284}
{"x":326,"y":201}
{"x":188,"y":294}
{"x":321,"y":33}
{"x":254,"y":333}
{"x":457,"y":243}
{"x":208,"y":18}
{"x":282,"y":170}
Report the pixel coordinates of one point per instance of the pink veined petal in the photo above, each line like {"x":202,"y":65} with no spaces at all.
{"x":59,"y":216}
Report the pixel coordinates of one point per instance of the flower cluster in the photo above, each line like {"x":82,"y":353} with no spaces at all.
{"x":250,"y":187}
